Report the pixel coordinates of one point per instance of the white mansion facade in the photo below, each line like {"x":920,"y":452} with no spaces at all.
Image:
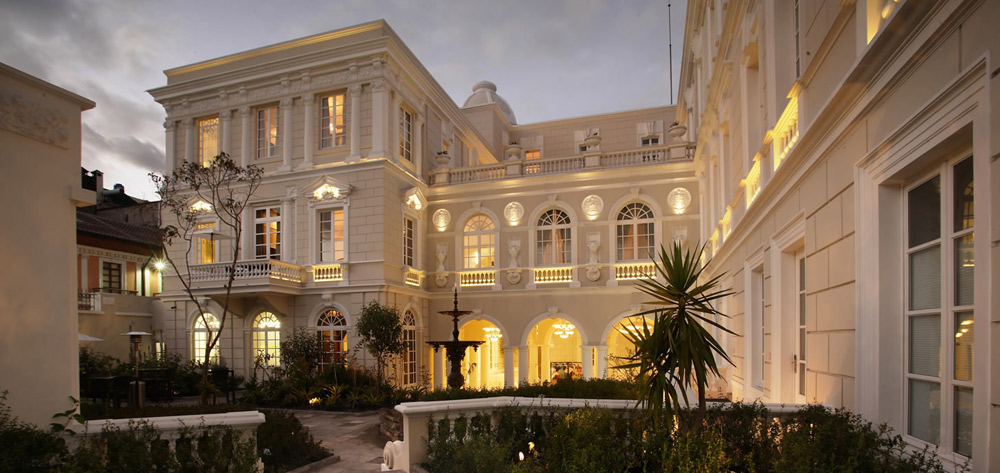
{"x":379,"y":187}
{"x":838,"y":145}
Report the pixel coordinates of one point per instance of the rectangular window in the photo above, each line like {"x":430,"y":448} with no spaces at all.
{"x":940,"y":273}
{"x":408,"y":239}
{"x":206,"y":250}
{"x":533,"y":154}
{"x":267,"y":132}
{"x":331,"y":121}
{"x":208,"y":140}
{"x":800,"y":359}
{"x":405,"y":135}
{"x":267,"y":233}
{"x":757,"y":327}
{"x":111,"y":277}
{"x":331,"y":235}
{"x":650,"y":141}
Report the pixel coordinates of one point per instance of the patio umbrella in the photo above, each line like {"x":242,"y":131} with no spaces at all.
{"x":87,"y":338}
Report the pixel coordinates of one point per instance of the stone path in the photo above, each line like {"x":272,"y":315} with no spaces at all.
{"x":351,"y":435}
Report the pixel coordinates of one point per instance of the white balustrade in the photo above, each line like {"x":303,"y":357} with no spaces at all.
{"x":412,"y":277}
{"x":553,"y":275}
{"x":328,"y":272}
{"x":245,"y":270}
{"x":635,"y":157}
{"x":479,"y":174}
{"x":626,"y":271}
{"x":553,"y":166}
{"x":477,"y":278}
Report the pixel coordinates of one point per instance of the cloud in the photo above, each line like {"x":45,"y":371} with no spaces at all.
{"x":126,"y":150}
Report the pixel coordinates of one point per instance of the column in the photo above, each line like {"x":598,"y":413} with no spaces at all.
{"x":354,"y":116}
{"x":508,"y":366}
{"x":394,"y":130}
{"x":309,"y":132}
{"x":379,"y":119}
{"x":587,"y":359}
{"x":484,"y":366}
{"x":227,"y":143}
{"x":544,"y":362}
{"x":441,"y":369}
{"x":246,"y":136}
{"x":188,"y":139}
{"x":602,"y":361}
{"x":523,"y":354}
{"x":288,"y":226}
{"x":285,"y":134}
{"x":170,"y":127}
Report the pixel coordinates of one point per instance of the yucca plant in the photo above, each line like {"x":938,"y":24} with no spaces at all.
{"x":678,"y":351}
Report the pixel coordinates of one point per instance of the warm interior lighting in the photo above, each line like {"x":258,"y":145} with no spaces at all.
{"x":414,"y":201}
{"x":492,"y":333}
{"x":958,"y":335}
{"x":967,"y":322}
{"x":564,"y":330}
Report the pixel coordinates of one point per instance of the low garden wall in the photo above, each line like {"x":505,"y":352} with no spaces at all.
{"x":412,"y":449}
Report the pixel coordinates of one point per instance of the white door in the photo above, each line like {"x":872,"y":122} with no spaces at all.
{"x":800,"y":334}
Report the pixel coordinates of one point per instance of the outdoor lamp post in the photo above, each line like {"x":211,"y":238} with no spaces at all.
{"x":137,"y":389}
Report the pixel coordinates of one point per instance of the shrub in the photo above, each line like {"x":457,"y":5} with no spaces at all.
{"x":25,"y":448}
{"x":284,"y":444}
{"x":589,"y":440}
{"x":749,"y":436}
{"x":301,"y":352}
{"x":701,"y":451}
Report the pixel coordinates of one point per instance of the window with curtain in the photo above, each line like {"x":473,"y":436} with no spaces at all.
{"x":635,"y":232}
{"x":479,"y":242}
{"x":267,"y":132}
{"x":331,"y":121}
{"x":331,"y":329}
{"x":554,"y":238}
{"x":940,"y":273}
{"x":331,"y":235}
{"x":267,"y":232}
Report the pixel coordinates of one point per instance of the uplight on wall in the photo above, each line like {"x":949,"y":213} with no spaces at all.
{"x":441,"y":219}
{"x":326,"y":191}
{"x":592,"y":206}
{"x":513,"y":212}
{"x":201,"y":206}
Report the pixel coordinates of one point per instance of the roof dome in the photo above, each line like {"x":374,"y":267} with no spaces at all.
{"x":486,"y":92}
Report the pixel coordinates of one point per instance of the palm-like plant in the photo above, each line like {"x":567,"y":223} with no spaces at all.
{"x":678,"y":351}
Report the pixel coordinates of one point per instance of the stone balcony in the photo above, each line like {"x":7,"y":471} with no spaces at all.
{"x":267,"y":276}
{"x":588,"y":161}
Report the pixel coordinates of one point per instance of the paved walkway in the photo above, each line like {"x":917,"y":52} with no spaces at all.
{"x":351,"y":435}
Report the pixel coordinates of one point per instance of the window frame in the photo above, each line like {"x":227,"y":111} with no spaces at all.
{"x":410,"y":353}
{"x":318,"y":234}
{"x":264,"y":334}
{"x":634,"y":225}
{"x":409,"y":240}
{"x":947,"y":309}
{"x":552,"y":227}
{"x":122,"y":283}
{"x":267,"y":220}
{"x":330,"y":357}
{"x":203,"y":130}
{"x":268,"y":125}
{"x":198,"y":342}
{"x":406,"y":132}
{"x":493,"y":235}
{"x":331,"y":139}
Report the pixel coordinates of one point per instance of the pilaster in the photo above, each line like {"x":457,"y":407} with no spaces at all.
{"x":379,"y":119}
{"x":246,"y":136}
{"x":354,"y":115}
{"x":188,"y":125}
{"x":170,"y":128}
{"x":285,"y":134}
{"x":309,"y":132}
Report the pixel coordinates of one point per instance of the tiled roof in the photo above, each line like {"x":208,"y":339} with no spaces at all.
{"x":118,"y":230}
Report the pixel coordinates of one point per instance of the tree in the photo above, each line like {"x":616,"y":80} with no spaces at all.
{"x":226,"y":188}
{"x":678,"y":351}
{"x":380,"y":329}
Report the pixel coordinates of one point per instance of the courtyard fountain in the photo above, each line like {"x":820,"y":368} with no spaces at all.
{"x":455,"y":348}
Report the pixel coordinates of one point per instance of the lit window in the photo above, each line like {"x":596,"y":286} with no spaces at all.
{"x":267,"y":339}
{"x":532,"y":154}
{"x":267,"y":132}
{"x":267,"y":233}
{"x":409,"y":349}
{"x":202,"y":335}
{"x":331,"y":235}
{"x":554,"y":243}
{"x":405,"y":135}
{"x":331,"y":328}
{"x":111,"y":277}
{"x":206,"y":250}
{"x":635,"y":233}
{"x":940,"y":274}
{"x":478,"y":242}
{"x":208,"y":140}
{"x":650,"y":140}
{"x":331,"y":121}
{"x":408,"y":240}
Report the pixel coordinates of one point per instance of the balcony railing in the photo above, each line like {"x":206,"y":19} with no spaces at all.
{"x":517,"y":168}
{"x":477,"y":278}
{"x":626,"y":271}
{"x":248,"y":270}
{"x":553,"y":275}
{"x":90,"y":301}
{"x":329,"y":272}
{"x":412,"y":277}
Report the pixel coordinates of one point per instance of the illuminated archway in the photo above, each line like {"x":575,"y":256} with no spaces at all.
{"x":554,"y":350}
{"x":483,"y":368}
{"x":619,"y":346}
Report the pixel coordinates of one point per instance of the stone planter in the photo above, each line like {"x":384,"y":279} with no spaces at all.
{"x":592,"y":141}
{"x":513,"y":151}
{"x":677,"y":131}
{"x":442,"y":159}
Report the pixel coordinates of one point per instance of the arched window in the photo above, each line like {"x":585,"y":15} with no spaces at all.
{"x":202,"y":335}
{"x":478,"y":242}
{"x":635,"y":232}
{"x":554,"y":241}
{"x":267,"y":339}
{"x":331,"y":328}
{"x":410,"y":349}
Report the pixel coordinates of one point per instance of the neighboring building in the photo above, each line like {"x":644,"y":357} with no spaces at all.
{"x":838,"y":145}
{"x":40,"y":159}
{"x":118,"y":248}
{"x":379,"y":187}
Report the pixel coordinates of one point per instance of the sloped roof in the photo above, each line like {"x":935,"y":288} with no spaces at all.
{"x":117,"y":229}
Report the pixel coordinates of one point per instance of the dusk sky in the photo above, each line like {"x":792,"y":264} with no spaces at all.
{"x":549,"y":59}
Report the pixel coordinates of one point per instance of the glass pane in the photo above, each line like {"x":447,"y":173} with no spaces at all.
{"x":802,"y":343}
{"x":963,"y":421}
{"x":802,"y":309}
{"x":924,"y":215}
{"x":802,"y":379}
{"x":965,"y":339}
{"x":964,"y":208}
{"x":925,"y":411}
{"x":965,"y":270}
{"x":925,"y":279}
{"x":802,"y":274}
{"x":925,"y":345}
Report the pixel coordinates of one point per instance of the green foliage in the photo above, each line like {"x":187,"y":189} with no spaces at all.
{"x":589,"y":440}
{"x":748,"y":433}
{"x":694,"y":451}
{"x":95,"y":363}
{"x":380,"y":329}
{"x":301,"y":352}
{"x":565,"y":388}
{"x":24,"y":447}
{"x":284,"y":444}
{"x":677,"y":351}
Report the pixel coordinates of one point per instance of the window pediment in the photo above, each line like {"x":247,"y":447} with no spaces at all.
{"x":327,"y":189}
